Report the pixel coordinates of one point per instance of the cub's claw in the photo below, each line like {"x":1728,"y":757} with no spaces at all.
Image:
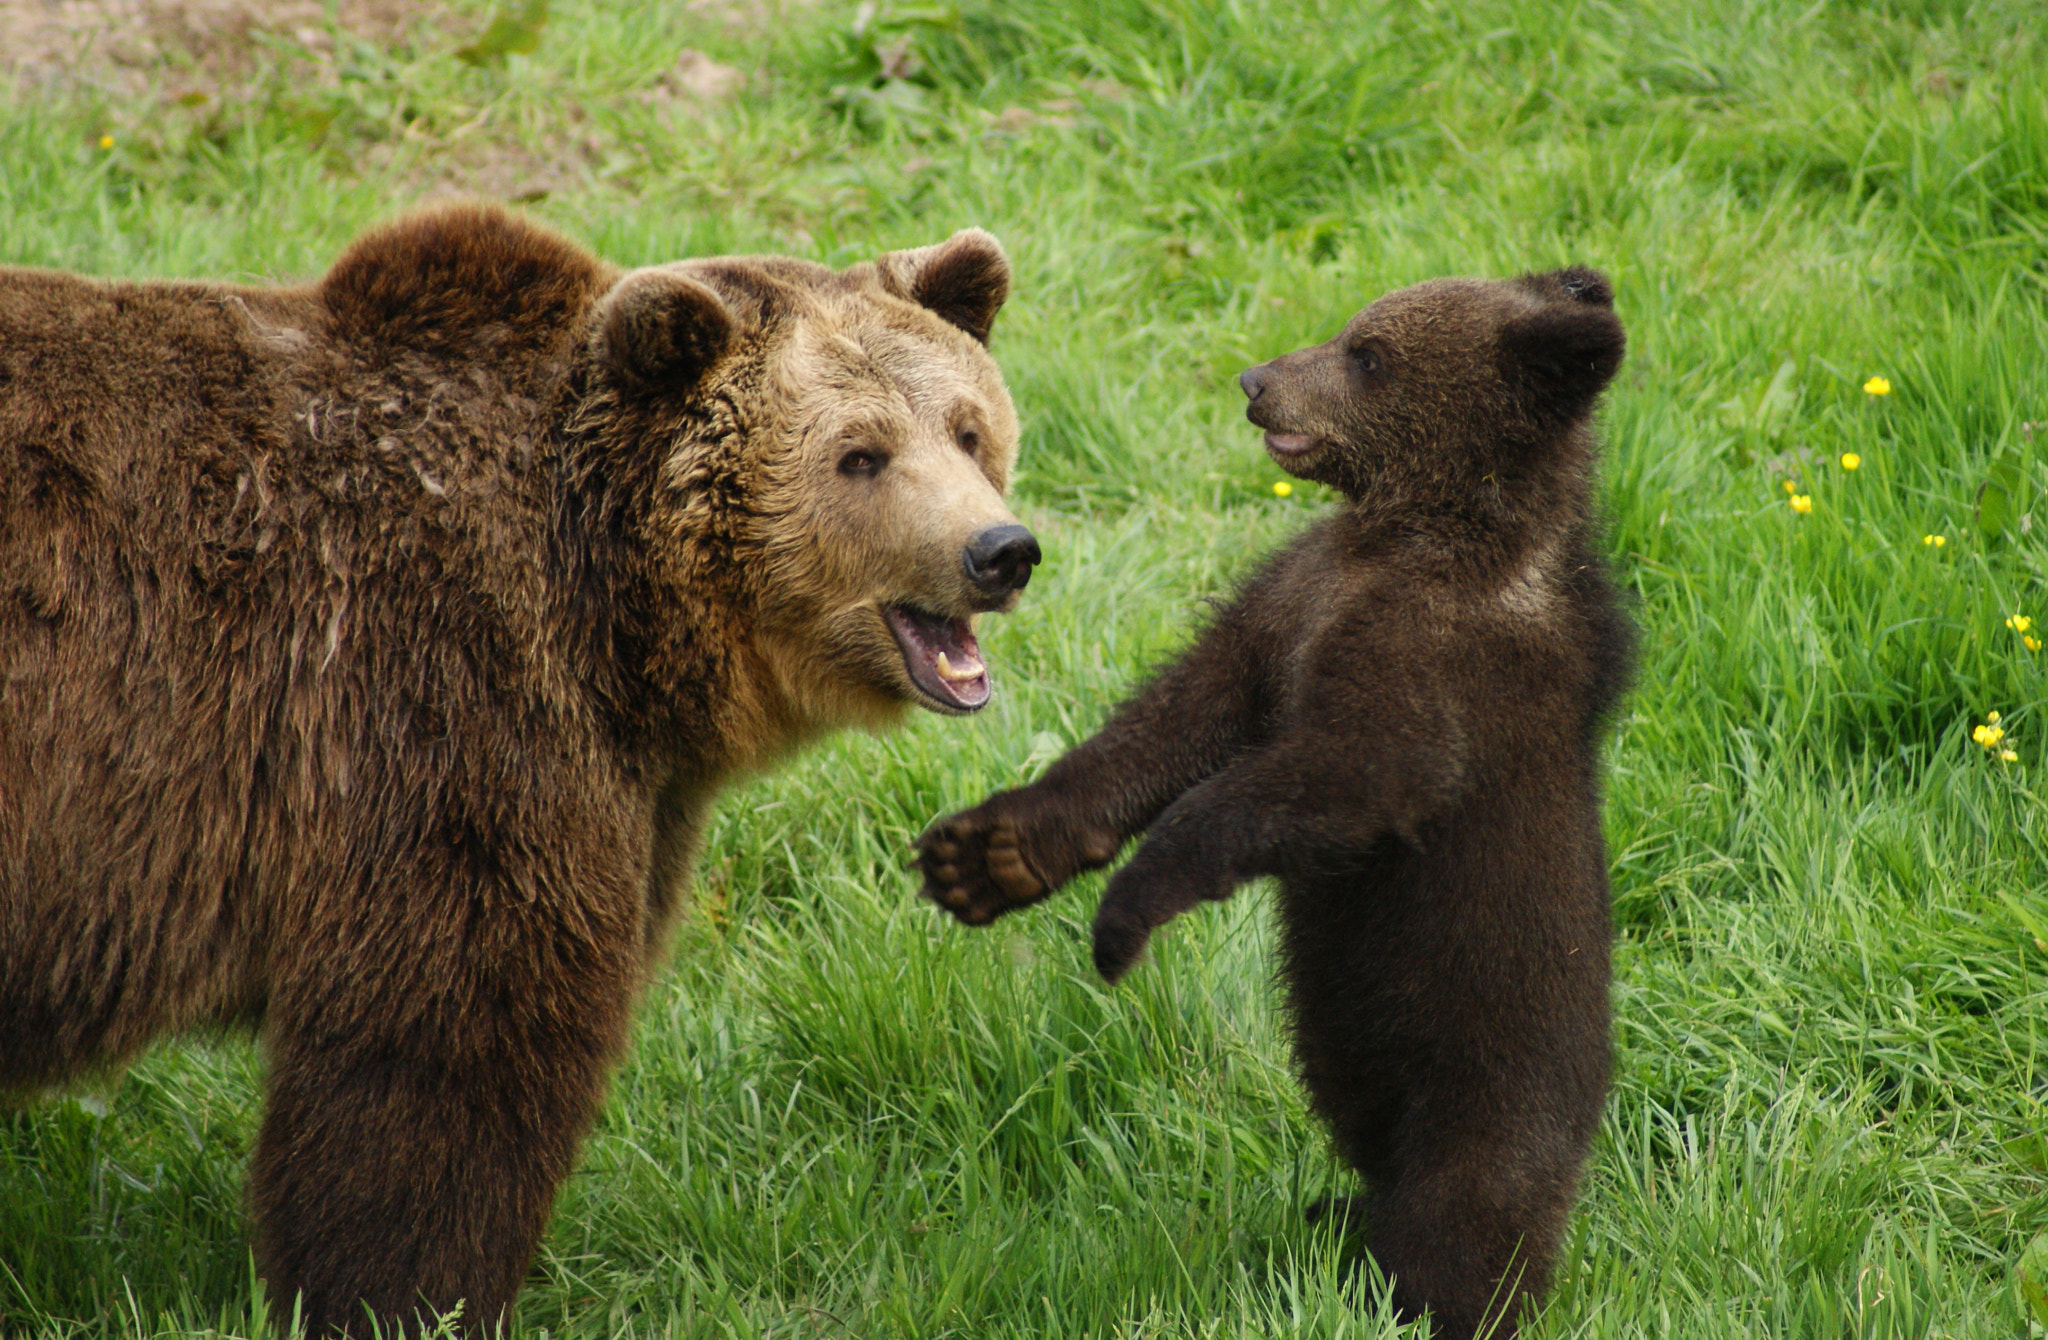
{"x":1010,"y":851}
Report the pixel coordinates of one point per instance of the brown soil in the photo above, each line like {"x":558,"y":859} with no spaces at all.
{"x":124,"y":47}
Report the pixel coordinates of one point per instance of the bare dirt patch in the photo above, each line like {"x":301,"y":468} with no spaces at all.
{"x":125,"y":47}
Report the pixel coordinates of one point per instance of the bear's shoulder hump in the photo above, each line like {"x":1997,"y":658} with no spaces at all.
{"x":437,"y":275}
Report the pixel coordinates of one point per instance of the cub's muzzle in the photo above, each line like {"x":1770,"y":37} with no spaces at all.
{"x":999,"y":560}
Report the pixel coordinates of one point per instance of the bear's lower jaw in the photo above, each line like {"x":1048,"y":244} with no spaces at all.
{"x":942,"y":657}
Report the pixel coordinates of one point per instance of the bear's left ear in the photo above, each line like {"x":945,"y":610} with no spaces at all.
{"x":657,"y":327}
{"x":1569,"y":349}
{"x":964,"y":279}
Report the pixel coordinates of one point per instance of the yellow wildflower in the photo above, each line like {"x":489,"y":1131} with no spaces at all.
{"x":1282,"y":489}
{"x":1936,"y":540}
{"x":2019,"y":623}
{"x":2010,"y":757}
{"x":1988,"y":736}
{"x":1851,"y":461}
{"x":2033,"y":643}
{"x":1877,"y":386}
{"x":1802,"y":503}
{"x":1791,"y":486}
{"x":1991,"y":717}
{"x":106,"y":141}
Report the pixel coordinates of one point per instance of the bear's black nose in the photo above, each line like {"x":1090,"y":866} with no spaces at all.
{"x":1253,"y":380}
{"x":1000,"y":559}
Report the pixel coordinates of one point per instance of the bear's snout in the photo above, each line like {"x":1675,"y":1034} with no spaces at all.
{"x":999,"y":559}
{"x":1253,"y":380}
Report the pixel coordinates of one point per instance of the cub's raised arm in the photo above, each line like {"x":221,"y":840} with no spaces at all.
{"x":1197,"y":715}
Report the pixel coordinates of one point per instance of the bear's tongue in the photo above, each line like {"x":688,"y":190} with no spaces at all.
{"x":942,"y":656}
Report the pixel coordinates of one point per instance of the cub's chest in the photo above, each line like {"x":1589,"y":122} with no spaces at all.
{"x":1416,"y":639}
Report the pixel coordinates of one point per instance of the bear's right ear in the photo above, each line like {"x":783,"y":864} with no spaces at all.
{"x":657,"y":328}
{"x":964,"y":279}
{"x":1564,"y":352}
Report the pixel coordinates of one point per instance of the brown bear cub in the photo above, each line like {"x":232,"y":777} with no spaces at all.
{"x":371,"y":651}
{"x":1400,"y":718}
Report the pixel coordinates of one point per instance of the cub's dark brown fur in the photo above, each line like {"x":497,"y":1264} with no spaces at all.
{"x":370,"y":652}
{"x":1400,"y":717}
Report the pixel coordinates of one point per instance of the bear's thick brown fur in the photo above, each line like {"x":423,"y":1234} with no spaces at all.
{"x":370,"y":652}
{"x":1400,"y":717}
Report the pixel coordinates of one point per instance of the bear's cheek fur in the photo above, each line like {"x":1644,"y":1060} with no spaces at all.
{"x":898,"y":537}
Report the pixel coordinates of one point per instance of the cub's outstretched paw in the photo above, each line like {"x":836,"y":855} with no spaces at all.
{"x":974,"y":867}
{"x":1008,"y":852}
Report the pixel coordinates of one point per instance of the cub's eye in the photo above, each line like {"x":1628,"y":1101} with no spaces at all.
{"x":1367,"y":358}
{"x":862,"y":462}
{"x":970,"y":441}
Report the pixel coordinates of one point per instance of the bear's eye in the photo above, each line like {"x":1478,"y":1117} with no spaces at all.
{"x":970,"y":441}
{"x":862,"y":462}
{"x":1367,"y":358}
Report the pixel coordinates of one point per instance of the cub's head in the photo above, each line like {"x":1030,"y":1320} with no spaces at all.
{"x":1442,"y":389}
{"x":841,"y":445}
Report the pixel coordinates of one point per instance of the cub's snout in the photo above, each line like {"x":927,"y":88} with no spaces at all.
{"x":999,"y":560}
{"x":1283,"y":441}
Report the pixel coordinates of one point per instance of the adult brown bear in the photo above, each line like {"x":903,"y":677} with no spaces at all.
{"x":370,"y":652}
{"x":1400,"y":717}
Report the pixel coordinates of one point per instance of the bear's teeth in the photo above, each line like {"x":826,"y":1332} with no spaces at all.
{"x":972,"y":670}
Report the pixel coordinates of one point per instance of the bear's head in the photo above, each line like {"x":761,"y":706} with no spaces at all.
{"x":839,"y":443}
{"x":1447,"y":392}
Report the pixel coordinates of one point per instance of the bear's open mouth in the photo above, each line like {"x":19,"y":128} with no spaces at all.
{"x":942,"y":656}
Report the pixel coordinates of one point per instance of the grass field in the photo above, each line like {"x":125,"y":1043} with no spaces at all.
{"x":844,"y":1116}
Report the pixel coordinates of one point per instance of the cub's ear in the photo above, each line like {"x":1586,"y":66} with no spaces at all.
{"x":1565,"y":352}
{"x":1580,"y":284}
{"x":964,"y":279}
{"x":657,"y":328}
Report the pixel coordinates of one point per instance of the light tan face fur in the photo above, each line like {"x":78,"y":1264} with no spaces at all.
{"x":839,"y":473}
{"x":898,"y":445}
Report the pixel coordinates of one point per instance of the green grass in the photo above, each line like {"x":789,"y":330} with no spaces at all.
{"x":845,"y":1117}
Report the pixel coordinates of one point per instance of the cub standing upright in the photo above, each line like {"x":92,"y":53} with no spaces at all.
{"x":1400,"y":716}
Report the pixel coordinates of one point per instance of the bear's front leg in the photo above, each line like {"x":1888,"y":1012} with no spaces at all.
{"x":403,"y":1170}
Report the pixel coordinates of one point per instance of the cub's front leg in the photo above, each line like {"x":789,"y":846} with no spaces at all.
{"x":1324,"y":791}
{"x":1214,"y":838}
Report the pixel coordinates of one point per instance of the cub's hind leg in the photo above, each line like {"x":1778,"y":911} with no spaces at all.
{"x":1462,"y":1211}
{"x":1466,"y":1221}
{"x":1469,"y":1131}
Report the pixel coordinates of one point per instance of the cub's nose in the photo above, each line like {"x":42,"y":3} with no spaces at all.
{"x":1253,"y":380}
{"x":999,"y":560}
